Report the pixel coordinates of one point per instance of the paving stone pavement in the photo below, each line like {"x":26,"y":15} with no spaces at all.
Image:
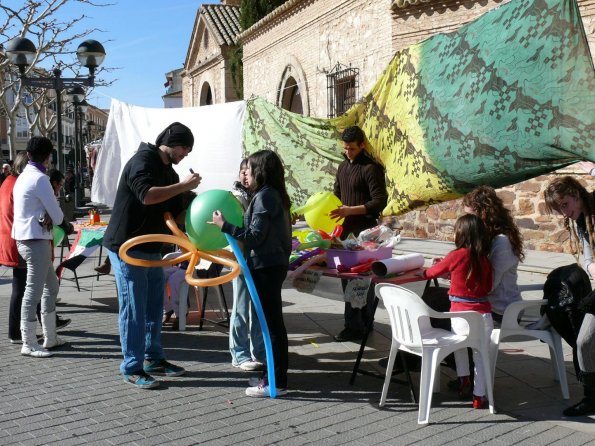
{"x":78,"y":396}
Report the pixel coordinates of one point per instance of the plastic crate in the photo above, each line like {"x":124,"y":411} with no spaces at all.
{"x":349,"y":258}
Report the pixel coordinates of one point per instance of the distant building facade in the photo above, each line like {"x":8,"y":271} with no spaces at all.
{"x":206,"y":78}
{"x":173,"y":93}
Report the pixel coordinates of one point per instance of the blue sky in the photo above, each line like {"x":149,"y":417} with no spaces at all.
{"x":144,"y":39}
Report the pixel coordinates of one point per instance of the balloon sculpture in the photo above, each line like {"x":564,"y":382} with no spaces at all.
{"x":206,"y":241}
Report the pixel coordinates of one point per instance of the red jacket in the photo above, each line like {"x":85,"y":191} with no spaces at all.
{"x":9,"y":256}
{"x":457,"y":263}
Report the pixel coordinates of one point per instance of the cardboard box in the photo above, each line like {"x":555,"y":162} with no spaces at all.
{"x":349,"y":258}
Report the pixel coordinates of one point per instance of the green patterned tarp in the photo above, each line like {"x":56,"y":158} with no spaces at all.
{"x":505,"y":98}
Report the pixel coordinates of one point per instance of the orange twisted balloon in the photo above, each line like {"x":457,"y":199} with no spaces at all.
{"x":191,"y":253}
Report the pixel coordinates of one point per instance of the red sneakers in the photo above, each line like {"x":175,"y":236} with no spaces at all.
{"x":480,"y":402}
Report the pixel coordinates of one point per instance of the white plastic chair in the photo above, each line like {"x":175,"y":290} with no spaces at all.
{"x":511,"y":327}
{"x":412,"y":333}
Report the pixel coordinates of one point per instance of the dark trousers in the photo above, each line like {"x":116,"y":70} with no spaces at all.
{"x":357,"y":319}
{"x":268,"y":282}
{"x":19,"y":281}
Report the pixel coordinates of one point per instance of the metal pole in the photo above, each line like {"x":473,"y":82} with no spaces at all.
{"x":76,"y":170}
{"x":80,"y":150}
{"x":58,"y":90}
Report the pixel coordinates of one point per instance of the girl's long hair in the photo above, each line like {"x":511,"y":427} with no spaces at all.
{"x":555,"y":192}
{"x":267,"y":170}
{"x":470,"y":233}
{"x":498,"y":219}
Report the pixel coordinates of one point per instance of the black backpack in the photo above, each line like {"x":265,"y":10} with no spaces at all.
{"x":565,"y":289}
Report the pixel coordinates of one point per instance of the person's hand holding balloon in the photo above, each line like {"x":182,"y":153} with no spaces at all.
{"x":340,"y":212}
{"x":218,"y":219}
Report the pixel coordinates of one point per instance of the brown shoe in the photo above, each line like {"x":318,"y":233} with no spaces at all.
{"x":106,"y":268}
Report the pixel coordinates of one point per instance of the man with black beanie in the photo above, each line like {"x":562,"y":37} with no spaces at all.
{"x":148,"y":188}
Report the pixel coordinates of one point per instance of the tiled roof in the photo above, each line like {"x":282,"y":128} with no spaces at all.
{"x":224,"y":21}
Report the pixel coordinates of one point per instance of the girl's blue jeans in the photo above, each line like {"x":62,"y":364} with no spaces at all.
{"x":140,"y":299}
{"x":245,"y":335}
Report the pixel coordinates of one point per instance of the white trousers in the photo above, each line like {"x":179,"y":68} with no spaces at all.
{"x":459,"y":326}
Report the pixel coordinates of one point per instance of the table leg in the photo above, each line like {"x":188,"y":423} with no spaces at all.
{"x":362,"y":346}
{"x":99,"y":259}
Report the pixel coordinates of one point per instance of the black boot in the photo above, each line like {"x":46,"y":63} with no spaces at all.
{"x":587,"y":405}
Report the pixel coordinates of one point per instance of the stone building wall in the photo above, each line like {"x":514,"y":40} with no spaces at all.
{"x":309,"y":39}
{"x":541,"y":231}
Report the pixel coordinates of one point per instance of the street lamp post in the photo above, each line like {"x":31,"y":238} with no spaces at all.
{"x":21,"y":52}
{"x":82,"y":110}
{"x":77,"y":98}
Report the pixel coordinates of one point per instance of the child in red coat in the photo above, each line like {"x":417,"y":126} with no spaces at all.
{"x":470,"y":282}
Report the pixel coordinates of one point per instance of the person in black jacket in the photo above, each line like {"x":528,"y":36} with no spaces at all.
{"x":148,"y":187}
{"x":361,"y":187}
{"x":266,"y":237}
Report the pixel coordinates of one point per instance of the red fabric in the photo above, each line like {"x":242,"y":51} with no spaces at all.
{"x":457,"y":264}
{"x":9,"y":255}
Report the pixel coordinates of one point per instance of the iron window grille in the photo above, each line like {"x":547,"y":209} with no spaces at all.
{"x":342,"y":84}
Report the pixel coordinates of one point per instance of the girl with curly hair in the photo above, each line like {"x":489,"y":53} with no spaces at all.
{"x":506,"y":246}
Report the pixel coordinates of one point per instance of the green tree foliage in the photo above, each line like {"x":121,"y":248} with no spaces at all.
{"x":251,"y":11}
{"x":236,"y":68}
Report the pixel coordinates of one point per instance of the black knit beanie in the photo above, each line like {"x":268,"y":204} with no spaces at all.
{"x":175,"y":134}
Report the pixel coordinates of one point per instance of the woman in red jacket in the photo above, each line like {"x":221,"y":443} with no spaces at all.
{"x":9,"y":256}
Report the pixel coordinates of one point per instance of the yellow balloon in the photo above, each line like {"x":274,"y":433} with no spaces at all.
{"x":317,"y":211}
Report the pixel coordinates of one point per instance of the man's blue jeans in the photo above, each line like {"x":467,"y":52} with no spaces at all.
{"x":245,"y":335}
{"x":140,"y":298}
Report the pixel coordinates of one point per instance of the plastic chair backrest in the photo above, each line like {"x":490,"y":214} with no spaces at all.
{"x":407,"y":313}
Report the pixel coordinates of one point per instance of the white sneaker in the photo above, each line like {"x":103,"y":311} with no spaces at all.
{"x":53,"y":343}
{"x":251,"y":366}
{"x":256,"y":381}
{"x":36,"y":351}
{"x":263,"y":391}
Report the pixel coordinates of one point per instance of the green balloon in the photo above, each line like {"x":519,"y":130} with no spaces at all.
{"x":203,"y":235}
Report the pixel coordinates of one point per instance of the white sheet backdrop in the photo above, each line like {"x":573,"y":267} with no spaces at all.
{"x":217,"y":148}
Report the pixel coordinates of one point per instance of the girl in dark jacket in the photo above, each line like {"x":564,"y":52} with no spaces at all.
{"x":266,"y":237}
{"x":568,"y":197}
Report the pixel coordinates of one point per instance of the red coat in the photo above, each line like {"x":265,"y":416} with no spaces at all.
{"x":9,"y":256}
{"x":457,"y":263}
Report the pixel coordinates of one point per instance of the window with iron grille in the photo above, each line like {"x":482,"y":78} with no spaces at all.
{"x":342,"y":85}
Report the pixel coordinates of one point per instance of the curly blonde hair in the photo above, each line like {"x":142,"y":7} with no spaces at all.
{"x":555,"y":192}
{"x":498,"y":219}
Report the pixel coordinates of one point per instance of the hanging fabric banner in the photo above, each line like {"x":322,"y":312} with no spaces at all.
{"x":505,"y":98}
